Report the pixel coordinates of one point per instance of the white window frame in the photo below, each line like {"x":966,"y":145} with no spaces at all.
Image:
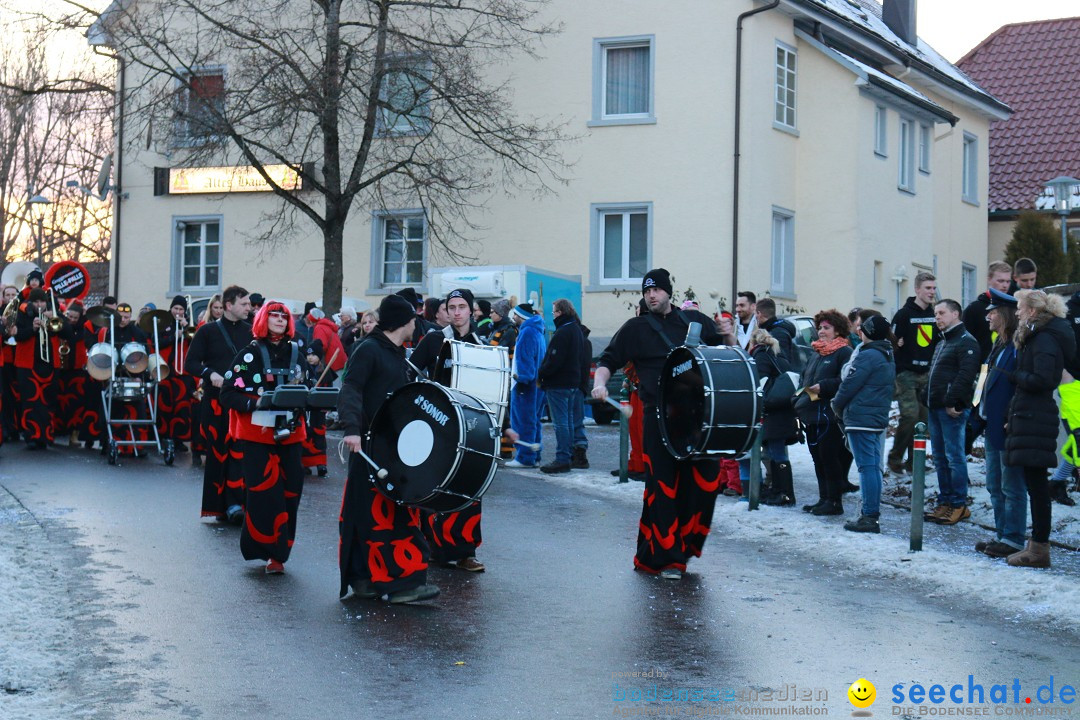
{"x":906,"y":163}
{"x":596,"y":272}
{"x":782,"y":77}
{"x":182,"y":135}
{"x":969,"y":173}
{"x":879,"y":281}
{"x":414,"y":124}
{"x":600,"y":116}
{"x":881,"y":131}
{"x":926,"y":147}
{"x":968,"y":284}
{"x":782,"y":254}
{"x":180,"y":224}
{"x":378,"y":240}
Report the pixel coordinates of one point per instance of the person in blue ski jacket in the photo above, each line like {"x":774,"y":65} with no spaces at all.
{"x":526,"y":397}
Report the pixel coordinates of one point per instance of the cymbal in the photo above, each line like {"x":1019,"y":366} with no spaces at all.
{"x":99,"y":316}
{"x":163,"y":319}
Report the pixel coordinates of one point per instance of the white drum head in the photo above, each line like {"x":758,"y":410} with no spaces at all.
{"x":415,"y":443}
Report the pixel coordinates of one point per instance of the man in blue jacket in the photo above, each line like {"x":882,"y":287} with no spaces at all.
{"x":526,"y":397}
{"x":862,"y":404}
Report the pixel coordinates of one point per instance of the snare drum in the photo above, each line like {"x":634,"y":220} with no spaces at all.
{"x":709,"y":402}
{"x":437,"y":444}
{"x":101,"y":360}
{"x":482,"y":371}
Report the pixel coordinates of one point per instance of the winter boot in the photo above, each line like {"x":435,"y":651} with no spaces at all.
{"x":1059,"y":493}
{"x":1035,"y":555}
{"x":864,"y":524}
{"x":578,"y":459}
{"x":828,"y":507}
{"x":783,"y":486}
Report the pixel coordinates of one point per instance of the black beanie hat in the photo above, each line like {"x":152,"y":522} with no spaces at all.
{"x":463,"y":293}
{"x":485,"y":307}
{"x":179,"y":300}
{"x":875,"y":327}
{"x":395,"y":312}
{"x":410,"y":295}
{"x":257,"y":300}
{"x":37,"y":294}
{"x":658,"y":278}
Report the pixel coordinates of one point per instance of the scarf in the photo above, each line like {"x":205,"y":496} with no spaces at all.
{"x":825,"y":347}
{"x":275,"y":338}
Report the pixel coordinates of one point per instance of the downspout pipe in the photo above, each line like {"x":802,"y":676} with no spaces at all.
{"x":114,"y":248}
{"x":738,"y":138}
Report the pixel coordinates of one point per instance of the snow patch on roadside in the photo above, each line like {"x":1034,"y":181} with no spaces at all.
{"x":37,"y":628}
{"x":1018,"y":594}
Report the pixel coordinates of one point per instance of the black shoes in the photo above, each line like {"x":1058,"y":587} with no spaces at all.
{"x":849,"y":488}
{"x":811,"y":508}
{"x":323,"y":472}
{"x":1059,"y":493}
{"x":555,"y":467}
{"x":778,"y":500}
{"x":578,"y":459}
{"x":997,"y":549}
{"x":865,"y":524}
{"x":416,"y":594}
{"x":640,"y":477}
{"x":828,"y":507}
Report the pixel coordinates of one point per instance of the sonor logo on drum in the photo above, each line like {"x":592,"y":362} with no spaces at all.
{"x":681,"y":368}
{"x":436,"y":414}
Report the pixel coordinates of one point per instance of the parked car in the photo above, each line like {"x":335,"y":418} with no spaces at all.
{"x":805,"y":333}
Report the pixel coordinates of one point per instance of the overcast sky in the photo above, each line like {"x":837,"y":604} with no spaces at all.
{"x":953,"y":27}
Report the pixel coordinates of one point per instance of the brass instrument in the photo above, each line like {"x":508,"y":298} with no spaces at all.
{"x":55,"y":324}
{"x":43,"y":334}
{"x":10,"y":310}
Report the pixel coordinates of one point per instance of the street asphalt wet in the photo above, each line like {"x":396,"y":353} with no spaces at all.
{"x":172,"y":623}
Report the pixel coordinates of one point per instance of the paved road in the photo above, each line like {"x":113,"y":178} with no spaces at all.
{"x":167,"y":621}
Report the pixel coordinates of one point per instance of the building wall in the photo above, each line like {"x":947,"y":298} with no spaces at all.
{"x":848,"y":211}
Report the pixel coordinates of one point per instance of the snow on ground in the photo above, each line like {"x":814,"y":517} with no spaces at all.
{"x":1018,"y":594}
{"x":37,"y":626}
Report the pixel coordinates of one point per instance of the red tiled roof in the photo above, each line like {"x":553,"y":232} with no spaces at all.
{"x":1033,"y":67}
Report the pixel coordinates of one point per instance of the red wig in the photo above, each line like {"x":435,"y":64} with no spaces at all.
{"x":260,"y":329}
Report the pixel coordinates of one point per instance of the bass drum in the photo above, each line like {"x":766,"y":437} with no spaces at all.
{"x":438,"y":446}
{"x":709,"y":402}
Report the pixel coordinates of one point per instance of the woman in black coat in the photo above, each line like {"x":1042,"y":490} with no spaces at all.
{"x":821,"y":380}
{"x":1046,"y":344}
{"x":778,"y":428}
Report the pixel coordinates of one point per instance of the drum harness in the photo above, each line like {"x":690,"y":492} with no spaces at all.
{"x":285,"y":422}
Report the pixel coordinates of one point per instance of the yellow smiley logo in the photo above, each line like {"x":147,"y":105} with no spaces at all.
{"x":862,"y":693}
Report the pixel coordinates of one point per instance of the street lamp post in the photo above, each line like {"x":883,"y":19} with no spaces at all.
{"x":38,"y":204}
{"x":1063,"y":191}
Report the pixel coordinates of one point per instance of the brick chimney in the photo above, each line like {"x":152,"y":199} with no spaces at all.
{"x":899,"y":15}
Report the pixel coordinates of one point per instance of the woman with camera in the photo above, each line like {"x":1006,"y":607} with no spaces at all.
{"x":272,"y":468}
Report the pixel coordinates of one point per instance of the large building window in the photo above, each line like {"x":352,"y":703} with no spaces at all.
{"x":401,"y":247}
{"x":622,"y":243}
{"x":623,"y":71}
{"x":197,"y":266}
{"x":200,"y":105}
{"x":405,"y":97}
{"x":970,"y":174}
{"x":782,"y":277}
{"x":906,"y":178}
{"x":784,"y":106}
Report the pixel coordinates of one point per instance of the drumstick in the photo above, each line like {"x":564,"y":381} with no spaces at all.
{"x":626,"y":410}
{"x":327,"y":368}
{"x":532,"y":446}
{"x":380,"y":473}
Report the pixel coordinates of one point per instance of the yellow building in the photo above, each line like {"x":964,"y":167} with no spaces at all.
{"x":862,"y":159}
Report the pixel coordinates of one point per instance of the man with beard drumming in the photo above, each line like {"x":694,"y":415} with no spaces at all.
{"x":34,"y":369}
{"x":455,"y":536}
{"x":382,"y":550}
{"x":270,"y":439}
{"x":679,"y":495}
{"x":210,"y":357}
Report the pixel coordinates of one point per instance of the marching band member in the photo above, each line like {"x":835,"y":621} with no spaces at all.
{"x":176,"y":393}
{"x":69,"y":363}
{"x":314,"y":446}
{"x":10,"y":405}
{"x":455,"y":536}
{"x":209,"y":358}
{"x":270,"y":439}
{"x":34,"y":369}
{"x":92,"y":428}
{"x":382,"y":550}
{"x":679,"y":495}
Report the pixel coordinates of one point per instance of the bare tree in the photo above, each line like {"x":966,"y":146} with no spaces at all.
{"x":377,"y":104}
